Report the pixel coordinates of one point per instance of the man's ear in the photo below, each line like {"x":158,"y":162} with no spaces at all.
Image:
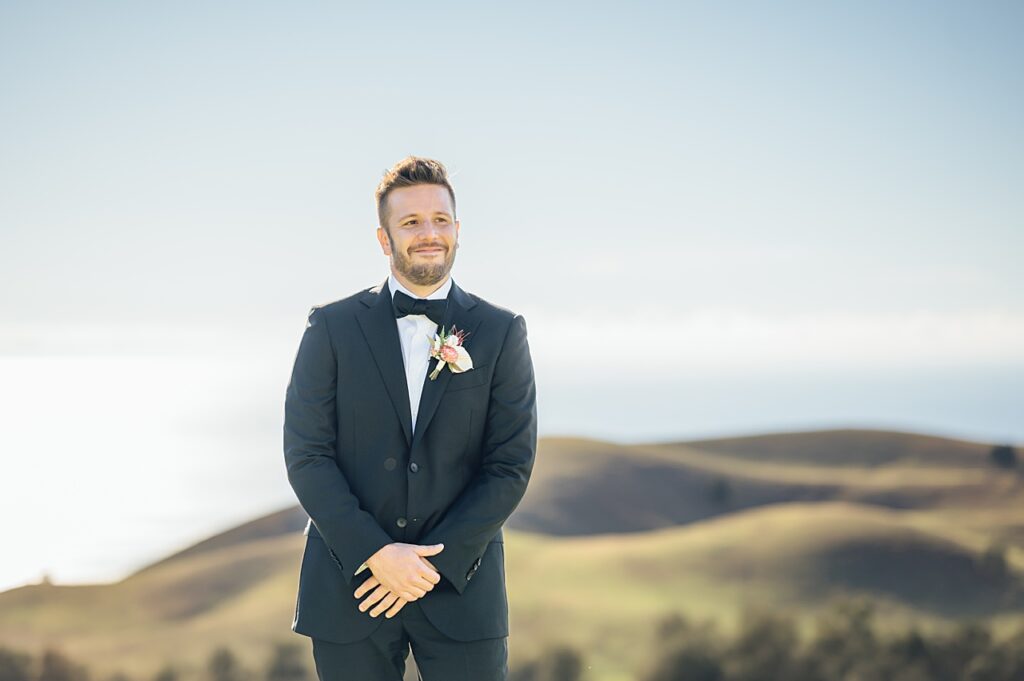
{"x":384,"y":239}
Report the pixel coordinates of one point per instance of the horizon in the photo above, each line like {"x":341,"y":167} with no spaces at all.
{"x":714,"y":219}
{"x":116,"y":571}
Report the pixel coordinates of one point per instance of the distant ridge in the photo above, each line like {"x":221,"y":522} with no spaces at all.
{"x":861,"y":447}
{"x":288,"y":520}
{"x":585,"y":486}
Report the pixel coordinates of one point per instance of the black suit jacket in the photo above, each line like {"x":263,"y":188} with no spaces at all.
{"x":365,"y":481}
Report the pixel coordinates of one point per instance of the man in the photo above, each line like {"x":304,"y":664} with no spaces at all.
{"x":407,"y":463}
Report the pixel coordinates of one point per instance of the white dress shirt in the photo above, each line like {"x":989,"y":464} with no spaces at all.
{"x":415,"y":331}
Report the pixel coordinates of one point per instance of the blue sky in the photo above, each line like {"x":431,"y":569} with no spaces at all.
{"x":182,"y":162}
{"x":785,"y":215}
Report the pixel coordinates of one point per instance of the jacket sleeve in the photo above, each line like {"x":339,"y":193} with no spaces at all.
{"x":510,"y":445}
{"x":351,"y":534}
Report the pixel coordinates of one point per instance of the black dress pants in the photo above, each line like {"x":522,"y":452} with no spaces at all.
{"x":382,"y":655}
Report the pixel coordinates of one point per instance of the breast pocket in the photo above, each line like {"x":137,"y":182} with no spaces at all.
{"x":475,"y":377}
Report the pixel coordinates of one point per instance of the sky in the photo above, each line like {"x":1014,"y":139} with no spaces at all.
{"x":716,"y":218}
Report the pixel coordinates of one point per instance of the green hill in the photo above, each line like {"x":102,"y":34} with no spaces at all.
{"x":609,"y":538}
{"x":849,"y":447}
{"x":583,"y":486}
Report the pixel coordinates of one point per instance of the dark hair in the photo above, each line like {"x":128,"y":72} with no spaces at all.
{"x":410,"y":171}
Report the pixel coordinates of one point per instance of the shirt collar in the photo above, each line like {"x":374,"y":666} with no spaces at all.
{"x":442,"y":292}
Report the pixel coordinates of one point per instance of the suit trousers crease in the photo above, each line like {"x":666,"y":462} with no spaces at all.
{"x":382,"y":656}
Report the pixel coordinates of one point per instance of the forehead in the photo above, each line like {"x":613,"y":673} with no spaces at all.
{"x":420,"y":198}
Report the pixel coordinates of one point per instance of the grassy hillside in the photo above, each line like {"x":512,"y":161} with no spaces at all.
{"x":849,"y":447}
{"x":583,"y":486}
{"x":630,"y":533}
{"x":600,"y":593}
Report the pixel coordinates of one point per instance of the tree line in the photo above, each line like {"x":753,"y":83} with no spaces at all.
{"x":287,"y":662}
{"x":846,"y":645}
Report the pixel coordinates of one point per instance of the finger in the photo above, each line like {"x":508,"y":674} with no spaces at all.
{"x":428,"y":550}
{"x":377,"y":594}
{"x":388,"y":601}
{"x":431,"y":570}
{"x":413,"y":593}
{"x":423,"y":583}
{"x":396,"y":607}
{"x":366,"y":586}
{"x":427,"y":579}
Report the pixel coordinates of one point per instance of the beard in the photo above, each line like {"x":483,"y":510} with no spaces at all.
{"x":423,"y":273}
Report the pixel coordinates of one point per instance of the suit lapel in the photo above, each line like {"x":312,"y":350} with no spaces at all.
{"x":377,"y":321}
{"x":381,"y":333}
{"x":458,"y":311}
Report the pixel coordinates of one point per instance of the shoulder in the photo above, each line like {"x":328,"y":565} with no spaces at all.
{"x":343,"y":308}
{"x":506,"y":318}
{"x":350,"y":303}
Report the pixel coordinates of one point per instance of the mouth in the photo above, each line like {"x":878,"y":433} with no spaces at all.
{"x":429,"y":251}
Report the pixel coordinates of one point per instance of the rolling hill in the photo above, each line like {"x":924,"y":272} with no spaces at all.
{"x":608,"y":538}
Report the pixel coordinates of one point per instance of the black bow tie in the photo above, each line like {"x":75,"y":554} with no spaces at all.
{"x":433,"y":308}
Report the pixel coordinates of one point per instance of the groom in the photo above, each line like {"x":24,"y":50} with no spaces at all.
{"x":407,"y":476}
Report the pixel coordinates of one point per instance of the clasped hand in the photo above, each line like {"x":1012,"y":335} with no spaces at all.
{"x":401,"y":574}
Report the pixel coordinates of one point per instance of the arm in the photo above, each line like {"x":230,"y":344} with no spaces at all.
{"x":510,"y":444}
{"x":310,"y":433}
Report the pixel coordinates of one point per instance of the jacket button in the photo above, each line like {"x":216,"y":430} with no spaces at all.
{"x":390,"y":463}
{"x":400,"y":522}
{"x":414,"y":467}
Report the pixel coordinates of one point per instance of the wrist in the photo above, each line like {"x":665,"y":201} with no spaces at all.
{"x":373,"y":560}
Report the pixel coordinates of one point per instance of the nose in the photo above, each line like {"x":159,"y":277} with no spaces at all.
{"x":430,"y":233}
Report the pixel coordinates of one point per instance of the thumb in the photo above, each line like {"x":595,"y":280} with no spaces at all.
{"x":429,"y":550}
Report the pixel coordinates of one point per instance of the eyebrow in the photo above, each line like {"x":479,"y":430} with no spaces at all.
{"x":415,"y":215}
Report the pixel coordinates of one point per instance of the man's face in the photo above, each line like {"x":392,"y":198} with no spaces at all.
{"x":423,"y":234}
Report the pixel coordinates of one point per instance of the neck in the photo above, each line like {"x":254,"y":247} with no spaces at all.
{"x":420,"y":289}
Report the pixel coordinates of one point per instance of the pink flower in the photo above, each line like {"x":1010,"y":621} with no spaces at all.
{"x":449,"y":353}
{"x":447,"y":349}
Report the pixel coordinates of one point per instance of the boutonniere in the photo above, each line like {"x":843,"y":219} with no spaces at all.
{"x":448,"y":349}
